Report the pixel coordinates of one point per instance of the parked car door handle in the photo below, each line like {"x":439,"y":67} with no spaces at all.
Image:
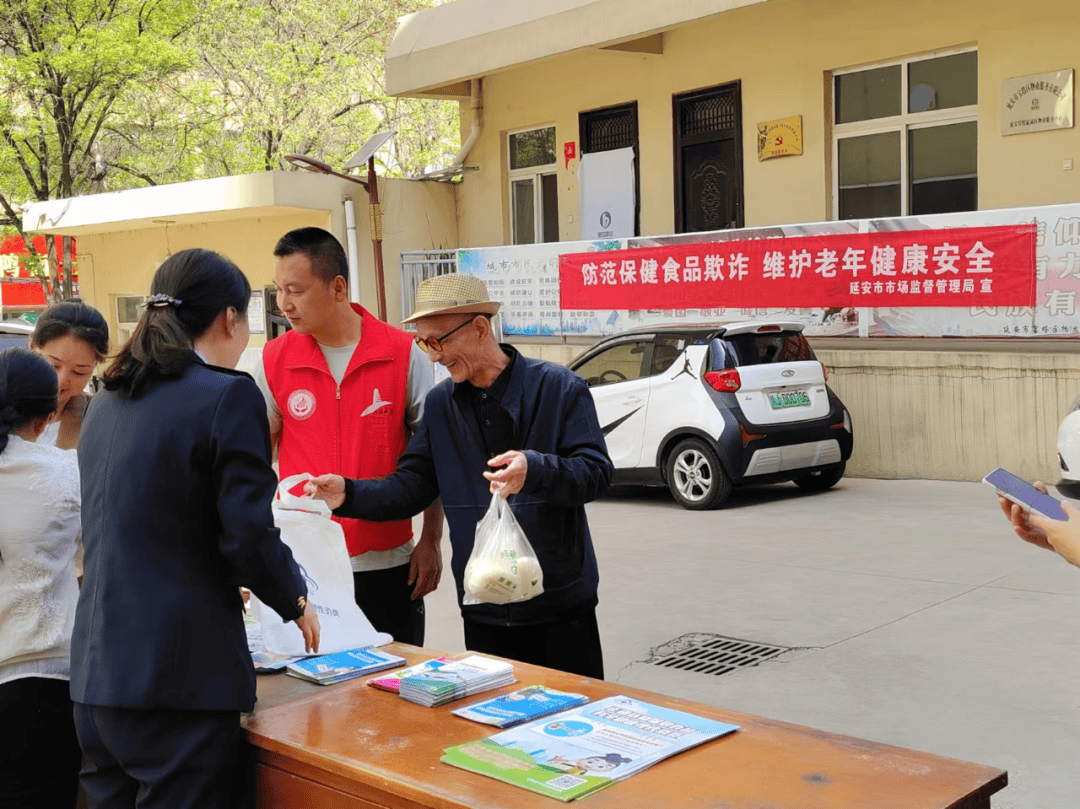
{"x":632,"y":400}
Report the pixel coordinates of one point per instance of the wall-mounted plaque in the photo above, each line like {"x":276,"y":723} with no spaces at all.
{"x":1037,"y":102}
{"x":779,"y":138}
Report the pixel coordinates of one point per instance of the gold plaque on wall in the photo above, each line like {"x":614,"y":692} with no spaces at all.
{"x":1037,"y":102}
{"x":779,"y":138}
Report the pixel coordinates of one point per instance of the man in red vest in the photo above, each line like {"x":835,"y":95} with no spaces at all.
{"x":344,"y":392}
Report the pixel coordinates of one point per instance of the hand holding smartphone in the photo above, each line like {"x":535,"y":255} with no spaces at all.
{"x":1025,"y":495}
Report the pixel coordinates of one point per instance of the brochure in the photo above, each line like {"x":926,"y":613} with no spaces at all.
{"x":392,"y":682}
{"x":268,"y":661}
{"x":585,"y":749}
{"x":343,"y":665}
{"x":520,"y":706}
{"x":455,"y":680}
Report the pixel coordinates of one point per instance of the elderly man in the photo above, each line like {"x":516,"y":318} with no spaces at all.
{"x":523,"y":427}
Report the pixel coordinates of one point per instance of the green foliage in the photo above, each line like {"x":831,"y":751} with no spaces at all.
{"x":108,"y":94}
{"x":64,"y":65}
{"x":277,"y":77}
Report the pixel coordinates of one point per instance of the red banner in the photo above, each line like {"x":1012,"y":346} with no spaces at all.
{"x":22,"y":293}
{"x":986,"y":266}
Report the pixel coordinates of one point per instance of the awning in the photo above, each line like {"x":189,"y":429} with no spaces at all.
{"x":246,"y":196}
{"x":436,"y":51}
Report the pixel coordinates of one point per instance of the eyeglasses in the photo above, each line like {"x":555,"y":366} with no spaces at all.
{"x":436,"y":343}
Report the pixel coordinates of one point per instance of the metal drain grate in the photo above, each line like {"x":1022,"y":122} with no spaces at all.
{"x":704,"y":653}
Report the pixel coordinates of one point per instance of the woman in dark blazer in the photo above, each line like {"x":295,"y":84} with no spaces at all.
{"x":176,"y":492}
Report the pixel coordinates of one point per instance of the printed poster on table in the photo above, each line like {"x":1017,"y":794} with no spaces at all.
{"x":575,"y":753}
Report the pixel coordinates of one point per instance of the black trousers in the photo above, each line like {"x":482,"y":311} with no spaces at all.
{"x":385,"y":596}
{"x":572,"y":646}
{"x":160,"y":759}
{"x":39,"y":753}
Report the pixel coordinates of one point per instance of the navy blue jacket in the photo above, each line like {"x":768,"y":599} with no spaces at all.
{"x":568,"y":466}
{"x":176,"y":494}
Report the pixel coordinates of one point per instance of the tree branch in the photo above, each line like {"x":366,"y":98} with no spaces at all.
{"x":133,"y":172}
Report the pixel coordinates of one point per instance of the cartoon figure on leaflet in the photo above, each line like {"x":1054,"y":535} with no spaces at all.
{"x":589,"y":764}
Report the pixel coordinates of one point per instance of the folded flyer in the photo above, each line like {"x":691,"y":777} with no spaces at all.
{"x":343,"y":665}
{"x":585,"y":749}
{"x":392,"y":682}
{"x":520,"y":706}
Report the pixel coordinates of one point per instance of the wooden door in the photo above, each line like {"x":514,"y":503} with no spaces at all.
{"x":708,"y":160}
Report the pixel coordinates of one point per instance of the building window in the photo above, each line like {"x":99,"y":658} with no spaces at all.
{"x":534,"y":192}
{"x":905,"y":137}
{"x":614,"y":128}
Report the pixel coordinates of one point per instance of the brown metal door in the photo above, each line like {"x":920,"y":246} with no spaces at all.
{"x":708,"y":160}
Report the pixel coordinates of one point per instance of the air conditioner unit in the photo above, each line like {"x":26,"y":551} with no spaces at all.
{"x":128,"y":309}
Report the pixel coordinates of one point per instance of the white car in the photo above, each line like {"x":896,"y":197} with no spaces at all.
{"x":703,"y":408}
{"x":1068,"y":445}
{"x":15,"y":333}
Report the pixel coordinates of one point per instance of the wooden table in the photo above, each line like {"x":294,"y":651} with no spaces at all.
{"x":350,"y":746}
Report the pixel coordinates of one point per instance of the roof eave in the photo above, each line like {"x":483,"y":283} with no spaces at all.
{"x":436,"y":51}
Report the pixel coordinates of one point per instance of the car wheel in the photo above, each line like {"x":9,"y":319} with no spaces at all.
{"x":821,"y":480}
{"x":695,"y":477}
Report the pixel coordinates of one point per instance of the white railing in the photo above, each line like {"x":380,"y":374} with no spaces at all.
{"x":419,"y":265}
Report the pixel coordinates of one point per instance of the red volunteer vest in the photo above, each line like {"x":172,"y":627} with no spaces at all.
{"x":356,"y":429}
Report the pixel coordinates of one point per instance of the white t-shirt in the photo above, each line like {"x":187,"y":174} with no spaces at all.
{"x":419,"y":382}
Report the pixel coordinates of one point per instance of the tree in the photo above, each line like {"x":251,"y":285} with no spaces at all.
{"x":277,"y":77}
{"x":157,"y":91}
{"x":64,"y":64}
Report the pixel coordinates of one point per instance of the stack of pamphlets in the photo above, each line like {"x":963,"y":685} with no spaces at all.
{"x":392,"y":682}
{"x":520,"y":706}
{"x":455,"y":680}
{"x":585,"y":749}
{"x":334,"y":668}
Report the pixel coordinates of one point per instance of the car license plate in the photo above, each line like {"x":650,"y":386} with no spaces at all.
{"x":795,"y":398}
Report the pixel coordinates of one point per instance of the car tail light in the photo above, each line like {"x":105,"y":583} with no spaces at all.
{"x":763,"y":329}
{"x":824,"y":370}
{"x":724,"y":381}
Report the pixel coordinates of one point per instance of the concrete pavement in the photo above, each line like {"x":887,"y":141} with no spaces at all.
{"x":915,"y":618}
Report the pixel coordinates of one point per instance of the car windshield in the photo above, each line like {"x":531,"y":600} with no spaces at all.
{"x":759,"y":349}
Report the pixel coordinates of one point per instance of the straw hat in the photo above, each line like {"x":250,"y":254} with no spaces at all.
{"x":453,"y":293}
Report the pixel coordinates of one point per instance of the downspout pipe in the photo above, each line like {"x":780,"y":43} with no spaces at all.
{"x":354,"y":253}
{"x":477,"y":114}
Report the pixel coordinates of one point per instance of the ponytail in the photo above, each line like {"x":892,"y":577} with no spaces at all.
{"x":27,"y":390}
{"x":190,"y":289}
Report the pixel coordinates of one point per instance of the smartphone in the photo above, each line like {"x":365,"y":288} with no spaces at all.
{"x":1024,"y":494}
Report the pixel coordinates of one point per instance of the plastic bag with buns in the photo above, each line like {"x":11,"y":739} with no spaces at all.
{"x":503,"y":568}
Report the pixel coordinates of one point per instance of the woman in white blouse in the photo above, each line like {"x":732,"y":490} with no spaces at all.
{"x":39,"y":542}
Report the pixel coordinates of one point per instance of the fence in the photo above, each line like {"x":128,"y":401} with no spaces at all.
{"x":419,"y":265}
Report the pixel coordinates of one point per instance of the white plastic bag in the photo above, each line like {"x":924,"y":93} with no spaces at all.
{"x":318,"y":545}
{"x":503,"y":567}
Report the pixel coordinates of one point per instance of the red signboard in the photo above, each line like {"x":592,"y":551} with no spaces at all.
{"x":22,"y":293}
{"x":985,"y":266}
